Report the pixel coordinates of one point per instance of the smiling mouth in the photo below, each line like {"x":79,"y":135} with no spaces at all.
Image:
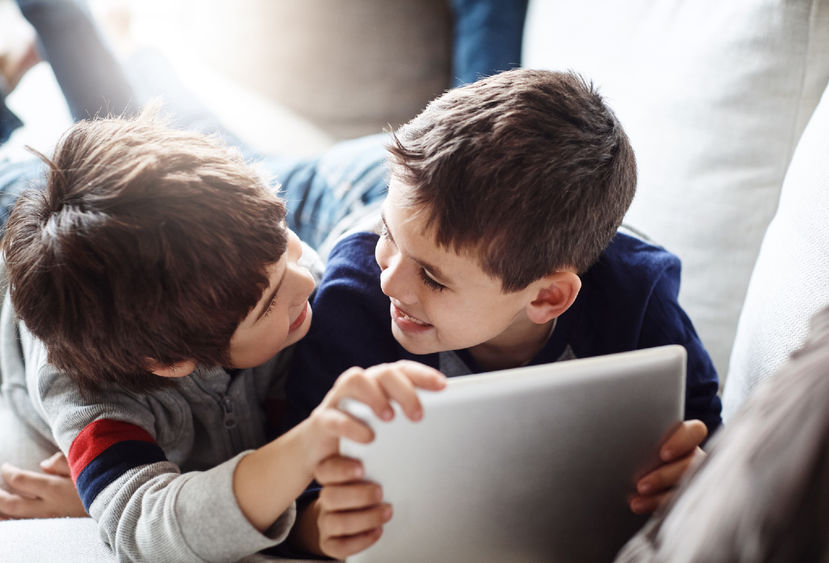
{"x":300,"y":319}
{"x":406,"y":321}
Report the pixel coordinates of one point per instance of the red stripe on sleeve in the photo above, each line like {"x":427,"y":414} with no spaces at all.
{"x":97,"y":437}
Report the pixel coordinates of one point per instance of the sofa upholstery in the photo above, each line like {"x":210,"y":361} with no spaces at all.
{"x":714,"y":96}
{"x":790,"y":281}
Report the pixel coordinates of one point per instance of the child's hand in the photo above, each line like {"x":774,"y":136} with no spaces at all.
{"x":39,"y":495}
{"x":267,"y":480}
{"x":349,"y":513}
{"x":376,"y":386}
{"x":677,"y":454}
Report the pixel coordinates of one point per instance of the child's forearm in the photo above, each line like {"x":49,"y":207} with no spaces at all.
{"x":268,"y":480}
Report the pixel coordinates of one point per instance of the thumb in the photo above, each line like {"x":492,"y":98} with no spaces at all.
{"x":57,"y":464}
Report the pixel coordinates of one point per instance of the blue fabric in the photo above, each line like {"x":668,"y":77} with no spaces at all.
{"x":9,"y":122}
{"x":487,"y":37}
{"x":16,"y":177}
{"x":112,"y":463}
{"x":628,"y":301}
{"x":322,"y":191}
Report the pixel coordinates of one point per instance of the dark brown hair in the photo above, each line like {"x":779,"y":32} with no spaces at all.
{"x":528,"y":168}
{"x":147,"y":242}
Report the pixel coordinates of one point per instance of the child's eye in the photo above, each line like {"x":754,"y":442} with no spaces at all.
{"x":431,"y":283}
{"x":270,"y":308}
{"x":384,"y":232}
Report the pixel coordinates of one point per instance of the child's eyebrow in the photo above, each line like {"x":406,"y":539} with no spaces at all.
{"x":267,"y":302}
{"x":434,"y":271}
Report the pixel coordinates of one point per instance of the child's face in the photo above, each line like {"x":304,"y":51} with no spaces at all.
{"x":441,"y":300}
{"x":282,"y":315}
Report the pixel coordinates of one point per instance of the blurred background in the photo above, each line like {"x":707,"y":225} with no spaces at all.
{"x":289,"y":76}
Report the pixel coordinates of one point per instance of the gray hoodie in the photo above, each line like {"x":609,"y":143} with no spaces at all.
{"x":154,"y":470}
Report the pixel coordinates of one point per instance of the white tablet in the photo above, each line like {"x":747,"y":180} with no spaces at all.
{"x":527,"y":464}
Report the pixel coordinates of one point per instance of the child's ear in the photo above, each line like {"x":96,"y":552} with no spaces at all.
{"x":178,"y":369}
{"x":556,"y":293}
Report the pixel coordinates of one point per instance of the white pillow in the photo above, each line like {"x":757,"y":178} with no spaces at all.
{"x":790,"y":282}
{"x":714,"y":95}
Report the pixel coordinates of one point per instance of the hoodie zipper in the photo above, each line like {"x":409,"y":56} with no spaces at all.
{"x":227,"y":409}
{"x":224,"y":402}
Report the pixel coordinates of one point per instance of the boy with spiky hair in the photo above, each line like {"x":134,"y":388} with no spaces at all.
{"x":152,"y":286}
{"x":499,"y":248}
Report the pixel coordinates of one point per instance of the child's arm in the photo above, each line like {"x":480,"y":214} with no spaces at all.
{"x":665,"y":322}
{"x":146,"y":508}
{"x":677,"y":454}
{"x":40,"y":495}
{"x":268,"y":480}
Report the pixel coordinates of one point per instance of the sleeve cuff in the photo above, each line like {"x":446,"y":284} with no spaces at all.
{"x":212,"y":523}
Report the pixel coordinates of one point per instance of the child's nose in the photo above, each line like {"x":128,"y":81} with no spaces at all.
{"x":382,"y":253}
{"x":305,"y":283}
{"x":394,"y":281}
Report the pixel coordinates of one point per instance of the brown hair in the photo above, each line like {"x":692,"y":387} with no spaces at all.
{"x":529,"y":168}
{"x":147,"y":242}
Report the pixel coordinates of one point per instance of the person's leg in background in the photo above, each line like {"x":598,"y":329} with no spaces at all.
{"x":17,"y":55}
{"x":9,"y":122}
{"x":486,"y":37}
{"x":15,"y":178}
{"x":90,"y":77}
{"x":320,"y":191}
{"x":12,"y":68}
{"x":94,"y":82}
{"x":326,"y":194}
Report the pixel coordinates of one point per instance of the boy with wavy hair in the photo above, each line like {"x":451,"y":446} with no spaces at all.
{"x":499,"y":248}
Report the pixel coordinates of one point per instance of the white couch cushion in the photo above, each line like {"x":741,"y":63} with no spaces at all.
{"x":69,"y":540}
{"x":714,"y":96}
{"x":790,"y":281}
{"x":73,"y":540}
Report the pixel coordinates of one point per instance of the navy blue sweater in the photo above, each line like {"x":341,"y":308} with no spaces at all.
{"x":628,"y":301}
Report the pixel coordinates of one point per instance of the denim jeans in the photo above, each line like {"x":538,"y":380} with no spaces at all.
{"x":486,"y":37}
